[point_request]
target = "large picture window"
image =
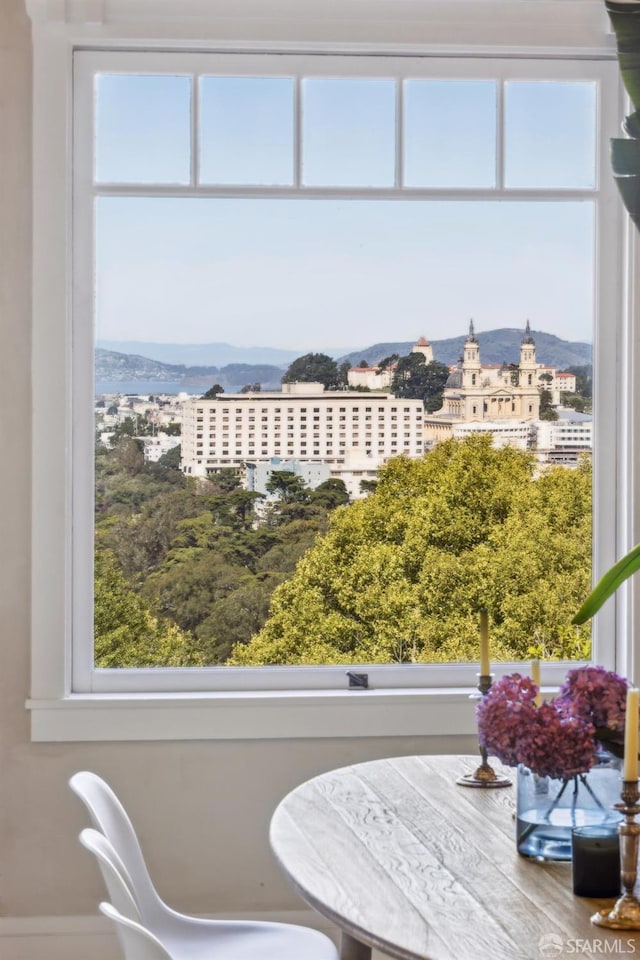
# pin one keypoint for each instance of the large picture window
(322, 207)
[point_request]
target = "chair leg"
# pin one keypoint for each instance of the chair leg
(351, 949)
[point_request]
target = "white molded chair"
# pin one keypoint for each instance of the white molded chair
(113, 873)
(186, 937)
(136, 941)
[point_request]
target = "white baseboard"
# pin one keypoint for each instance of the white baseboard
(83, 937)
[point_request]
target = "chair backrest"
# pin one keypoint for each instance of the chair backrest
(110, 818)
(136, 941)
(113, 872)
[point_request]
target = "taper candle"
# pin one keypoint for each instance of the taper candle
(631, 735)
(484, 644)
(535, 676)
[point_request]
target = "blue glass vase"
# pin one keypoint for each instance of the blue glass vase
(549, 808)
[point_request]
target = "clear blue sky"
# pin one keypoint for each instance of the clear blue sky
(313, 274)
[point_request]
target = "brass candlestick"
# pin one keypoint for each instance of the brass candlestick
(626, 911)
(484, 775)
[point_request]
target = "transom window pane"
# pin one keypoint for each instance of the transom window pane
(550, 131)
(142, 129)
(450, 133)
(246, 126)
(348, 132)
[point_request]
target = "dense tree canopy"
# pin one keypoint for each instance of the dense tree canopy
(127, 634)
(213, 392)
(315, 368)
(191, 572)
(402, 575)
(191, 564)
(417, 380)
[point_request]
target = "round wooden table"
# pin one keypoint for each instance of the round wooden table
(401, 858)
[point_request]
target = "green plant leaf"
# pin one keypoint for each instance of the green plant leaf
(625, 20)
(610, 582)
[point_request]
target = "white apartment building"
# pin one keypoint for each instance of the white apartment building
(373, 378)
(554, 441)
(506, 433)
(563, 440)
(354, 433)
(259, 474)
(156, 447)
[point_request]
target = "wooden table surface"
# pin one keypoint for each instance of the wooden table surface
(401, 858)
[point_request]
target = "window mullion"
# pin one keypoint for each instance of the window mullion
(195, 131)
(399, 177)
(297, 132)
(500, 135)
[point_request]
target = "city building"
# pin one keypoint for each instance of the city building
(512, 433)
(155, 447)
(257, 475)
(477, 394)
(373, 378)
(353, 433)
(565, 439)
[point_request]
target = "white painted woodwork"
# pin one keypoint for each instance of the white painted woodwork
(403, 859)
(142, 704)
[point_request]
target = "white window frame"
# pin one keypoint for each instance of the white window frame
(169, 704)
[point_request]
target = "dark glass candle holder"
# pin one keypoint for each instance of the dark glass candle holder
(595, 861)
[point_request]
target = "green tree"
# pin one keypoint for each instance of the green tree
(225, 480)
(330, 494)
(236, 618)
(190, 583)
(313, 368)
(368, 486)
(127, 428)
(387, 362)
(171, 459)
(584, 379)
(547, 410)
(141, 537)
(127, 633)
(576, 402)
(402, 575)
(343, 376)
(213, 392)
(171, 429)
(129, 455)
(417, 380)
(287, 486)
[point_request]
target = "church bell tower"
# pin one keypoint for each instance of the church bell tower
(471, 369)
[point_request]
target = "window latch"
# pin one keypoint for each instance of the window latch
(358, 681)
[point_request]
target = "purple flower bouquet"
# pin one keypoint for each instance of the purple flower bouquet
(563, 748)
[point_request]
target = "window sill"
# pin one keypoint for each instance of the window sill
(269, 715)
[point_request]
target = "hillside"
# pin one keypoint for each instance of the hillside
(200, 354)
(114, 366)
(496, 346)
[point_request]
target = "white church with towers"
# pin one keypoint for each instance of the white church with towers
(501, 399)
(489, 396)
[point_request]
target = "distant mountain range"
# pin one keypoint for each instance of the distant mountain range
(250, 365)
(202, 354)
(119, 367)
(496, 346)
